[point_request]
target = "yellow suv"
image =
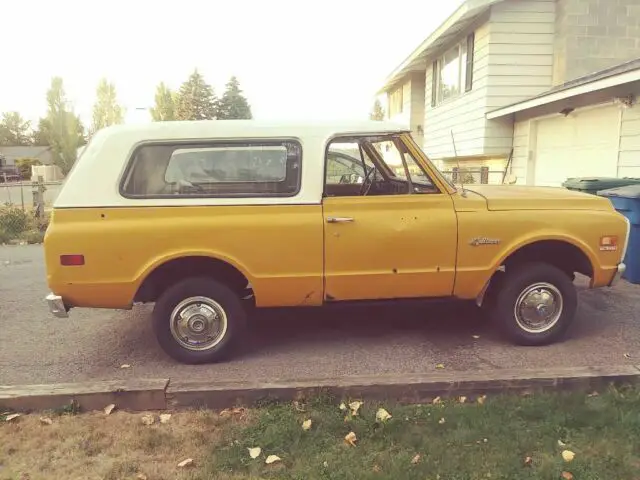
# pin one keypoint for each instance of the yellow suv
(207, 218)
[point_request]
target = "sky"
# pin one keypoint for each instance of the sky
(294, 59)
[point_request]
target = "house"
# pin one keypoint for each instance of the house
(540, 89)
(11, 154)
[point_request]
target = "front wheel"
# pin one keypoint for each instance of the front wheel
(198, 320)
(535, 304)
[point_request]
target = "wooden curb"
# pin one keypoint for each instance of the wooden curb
(417, 388)
(143, 394)
(161, 394)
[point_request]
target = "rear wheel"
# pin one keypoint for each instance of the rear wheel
(198, 320)
(535, 304)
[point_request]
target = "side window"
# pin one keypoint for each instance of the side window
(270, 168)
(404, 166)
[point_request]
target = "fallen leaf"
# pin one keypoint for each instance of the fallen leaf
(382, 415)
(415, 459)
(272, 459)
(476, 336)
(440, 366)
(109, 408)
(481, 399)
(325, 464)
(626, 355)
(125, 365)
(568, 455)
(232, 411)
(306, 425)
(561, 443)
(342, 407)
(346, 419)
(46, 421)
(298, 406)
(462, 399)
(436, 401)
(165, 417)
(376, 469)
(441, 421)
(13, 416)
(528, 461)
(355, 406)
(593, 394)
(254, 452)
(351, 438)
(186, 462)
(567, 475)
(147, 419)
(141, 476)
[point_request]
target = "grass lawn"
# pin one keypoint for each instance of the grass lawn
(505, 437)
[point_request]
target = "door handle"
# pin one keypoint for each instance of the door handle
(339, 219)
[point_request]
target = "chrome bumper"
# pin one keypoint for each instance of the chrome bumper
(616, 278)
(56, 306)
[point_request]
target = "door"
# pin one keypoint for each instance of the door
(582, 144)
(389, 231)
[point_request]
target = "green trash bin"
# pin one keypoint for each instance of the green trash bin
(593, 185)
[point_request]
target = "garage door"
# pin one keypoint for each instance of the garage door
(583, 144)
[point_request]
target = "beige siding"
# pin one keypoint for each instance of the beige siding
(521, 148)
(629, 159)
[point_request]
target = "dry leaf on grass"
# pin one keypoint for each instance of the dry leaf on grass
(568, 455)
(355, 406)
(342, 407)
(272, 459)
(436, 401)
(376, 468)
(306, 425)
(147, 419)
(13, 416)
(141, 476)
(528, 461)
(567, 475)
(627, 355)
(254, 452)
(440, 366)
(187, 462)
(109, 408)
(165, 417)
(382, 415)
(351, 439)
(325, 464)
(125, 365)
(46, 421)
(415, 459)
(441, 421)
(561, 443)
(462, 399)
(593, 394)
(481, 399)
(232, 411)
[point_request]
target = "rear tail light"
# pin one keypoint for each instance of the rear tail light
(608, 243)
(71, 260)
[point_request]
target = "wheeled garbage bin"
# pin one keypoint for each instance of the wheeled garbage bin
(626, 200)
(593, 185)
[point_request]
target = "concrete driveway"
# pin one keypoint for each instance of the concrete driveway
(293, 344)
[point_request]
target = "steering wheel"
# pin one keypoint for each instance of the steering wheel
(367, 183)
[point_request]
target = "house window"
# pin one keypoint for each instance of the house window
(453, 72)
(395, 102)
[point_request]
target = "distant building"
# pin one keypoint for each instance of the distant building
(11, 154)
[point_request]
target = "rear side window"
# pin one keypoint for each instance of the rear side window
(247, 169)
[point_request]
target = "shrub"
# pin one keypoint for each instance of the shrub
(24, 166)
(13, 221)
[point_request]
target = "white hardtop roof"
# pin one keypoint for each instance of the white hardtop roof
(225, 129)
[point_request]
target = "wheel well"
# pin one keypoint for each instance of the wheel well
(178, 269)
(563, 255)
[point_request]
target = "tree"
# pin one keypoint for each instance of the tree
(196, 99)
(165, 108)
(14, 130)
(377, 113)
(61, 127)
(233, 105)
(106, 110)
(39, 135)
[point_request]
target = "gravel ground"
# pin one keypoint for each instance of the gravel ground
(292, 344)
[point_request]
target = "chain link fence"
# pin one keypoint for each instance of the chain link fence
(23, 212)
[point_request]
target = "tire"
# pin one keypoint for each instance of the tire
(214, 319)
(545, 286)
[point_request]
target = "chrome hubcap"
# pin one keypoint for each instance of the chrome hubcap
(538, 307)
(198, 323)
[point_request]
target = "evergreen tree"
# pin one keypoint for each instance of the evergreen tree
(196, 99)
(233, 104)
(377, 113)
